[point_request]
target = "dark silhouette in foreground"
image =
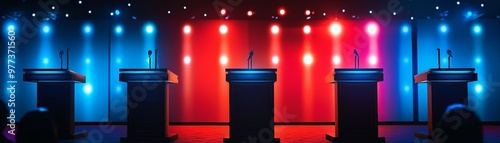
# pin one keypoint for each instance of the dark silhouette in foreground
(37, 126)
(460, 124)
(4, 112)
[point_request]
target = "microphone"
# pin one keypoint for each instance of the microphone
(356, 59)
(67, 58)
(439, 58)
(60, 57)
(449, 52)
(61, 53)
(250, 59)
(149, 55)
(156, 58)
(250, 55)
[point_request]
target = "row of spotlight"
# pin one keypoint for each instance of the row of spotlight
(308, 59)
(335, 29)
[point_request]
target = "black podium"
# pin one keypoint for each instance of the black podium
(251, 105)
(357, 112)
(444, 87)
(148, 98)
(56, 91)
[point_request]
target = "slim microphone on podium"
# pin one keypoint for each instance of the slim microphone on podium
(156, 58)
(249, 60)
(356, 59)
(60, 57)
(449, 57)
(149, 55)
(67, 58)
(439, 58)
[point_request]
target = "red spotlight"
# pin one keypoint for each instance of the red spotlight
(275, 29)
(372, 28)
(373, 60)
(307, 29)
(250, 13)
(187, 29)
(223, 12)
(275, 60)
(187, 60)
(223, 60)
(223, 29)
(335, 29)
(282, 11)
(336, 60)
(308, 59)
(308, 12)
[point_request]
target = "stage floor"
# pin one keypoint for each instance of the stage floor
(287, 133)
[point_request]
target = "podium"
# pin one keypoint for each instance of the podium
(148, 110)
(251, 105)
(444, 87)
(357, 112)
(56, 91)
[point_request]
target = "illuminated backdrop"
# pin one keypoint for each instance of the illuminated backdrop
(304, 52)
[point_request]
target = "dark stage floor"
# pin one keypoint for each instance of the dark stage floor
(287, 133)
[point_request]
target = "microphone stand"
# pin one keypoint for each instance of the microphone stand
(149, 58)
(150, 62)
(60, 57)
(156, 58)
(249, 63)
(439, 58)
(67, 58)
(449, 62)
(356, 62)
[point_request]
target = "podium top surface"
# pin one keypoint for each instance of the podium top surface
(355, 75)
(148, 75)
(251, 75)
(447, 75)
(52, 75)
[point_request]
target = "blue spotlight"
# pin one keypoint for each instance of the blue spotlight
(478, 60)
(45, 61)
(117, 12)
(42, 109)
(87, 89)
(11, 28)
(118, 88)
(87, 61)
(479, 88)
(469, 13)
(407, 88)
(405, 60)
(118, 29)
(477, 29)
(149, 29)
(46, 29)
(87, 29)
(445, 60)
(443, 28)
(118, 60)
(405, 29)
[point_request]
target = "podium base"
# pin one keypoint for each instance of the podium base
(354, 140)
(170, 138)
(275, 140)
(422, 135)
(74, 136)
